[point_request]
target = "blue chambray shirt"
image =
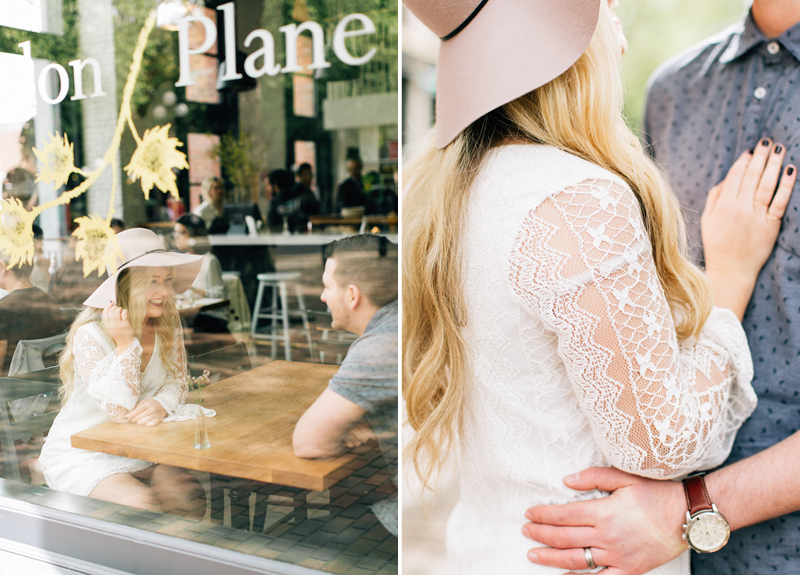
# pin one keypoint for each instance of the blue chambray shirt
(704, 108)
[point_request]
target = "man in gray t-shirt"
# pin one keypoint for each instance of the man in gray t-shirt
(360, 283)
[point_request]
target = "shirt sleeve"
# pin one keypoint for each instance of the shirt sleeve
(111, 380)
(582, 264)
(172, 394)
(368, 374)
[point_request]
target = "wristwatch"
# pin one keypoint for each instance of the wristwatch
(706, 530)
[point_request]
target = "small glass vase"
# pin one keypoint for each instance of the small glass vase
(201, 432)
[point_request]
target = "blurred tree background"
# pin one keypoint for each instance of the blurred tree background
(659, 29)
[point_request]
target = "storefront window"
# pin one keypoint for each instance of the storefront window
(279, 119)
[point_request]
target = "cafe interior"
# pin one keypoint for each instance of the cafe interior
(255, 133)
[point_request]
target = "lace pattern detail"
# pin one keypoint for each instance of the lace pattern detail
(582, 265)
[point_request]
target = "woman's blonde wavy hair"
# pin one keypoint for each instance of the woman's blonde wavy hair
(132, 286)
(579, 112)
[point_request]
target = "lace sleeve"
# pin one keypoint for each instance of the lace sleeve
(173, 393)
(111, 380)
(583, 265)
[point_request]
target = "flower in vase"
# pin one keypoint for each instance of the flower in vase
(58, 161)
(154, 159)
(16, 231)
(94, 235)
(196, 385)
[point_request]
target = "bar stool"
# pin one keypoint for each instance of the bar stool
(278, 281)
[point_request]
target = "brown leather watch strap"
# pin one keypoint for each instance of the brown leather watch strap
(696, 494)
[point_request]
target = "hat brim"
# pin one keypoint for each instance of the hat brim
(509, 49)
(187, 267)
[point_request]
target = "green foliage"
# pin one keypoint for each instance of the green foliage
(659, 29)
(54, 47)
(160, 60)
(235, 156)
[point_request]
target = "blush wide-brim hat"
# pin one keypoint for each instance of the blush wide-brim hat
(143, 248)
(494, 51)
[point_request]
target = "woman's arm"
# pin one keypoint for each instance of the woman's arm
(583, 265)
(112, 378)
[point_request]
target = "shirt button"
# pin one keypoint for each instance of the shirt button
(773, 48)
(760, 92)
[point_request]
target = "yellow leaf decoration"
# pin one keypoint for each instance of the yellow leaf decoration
(16, 231)
(94, 234)
(58, 161)
(154, 159)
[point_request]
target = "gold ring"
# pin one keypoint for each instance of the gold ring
(770, 216)
(587, 554)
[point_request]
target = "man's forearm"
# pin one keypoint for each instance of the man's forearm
(760, 487)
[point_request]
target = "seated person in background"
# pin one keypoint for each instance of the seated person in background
(40, 276)
(350, 192)
(69, 286)
(191, 237)
(117, 225)
(360, 282)
(213, 200)
(304, 174)
(26, 312)
(290, 202)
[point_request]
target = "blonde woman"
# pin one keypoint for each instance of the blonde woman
(125, 362)
(551, 319)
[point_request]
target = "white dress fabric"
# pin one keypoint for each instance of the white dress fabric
(574, 357)
(107, 387)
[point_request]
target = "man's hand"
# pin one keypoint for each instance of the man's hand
(359, 435)
(634, 530)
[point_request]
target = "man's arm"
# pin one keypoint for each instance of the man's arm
(324, 427)
(639, 526)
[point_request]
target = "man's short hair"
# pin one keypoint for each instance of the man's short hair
(369, 262)
(281, 179)
(21, 269)
(304, 166)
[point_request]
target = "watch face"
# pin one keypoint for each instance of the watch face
(708, 532)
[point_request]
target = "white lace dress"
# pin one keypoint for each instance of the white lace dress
(106, 388)
(575, 361)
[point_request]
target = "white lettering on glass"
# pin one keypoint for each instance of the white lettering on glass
(341, 33)
(77, 76)
(63, 81)
(292, 32)
(184, 51)
(267, 51)
(230, 72)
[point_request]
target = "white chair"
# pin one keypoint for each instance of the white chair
(239, 317)
(279, 314)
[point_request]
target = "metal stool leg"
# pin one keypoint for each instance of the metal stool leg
(259, 296)
(287, 351)
(301, 303)
(274, 343)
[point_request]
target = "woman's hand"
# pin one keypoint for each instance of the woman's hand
(119, 328)
(148, 412)
(741, 221)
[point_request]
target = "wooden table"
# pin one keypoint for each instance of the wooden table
(251, 435)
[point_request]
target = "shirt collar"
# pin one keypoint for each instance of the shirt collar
(747, 36)
(390, 309)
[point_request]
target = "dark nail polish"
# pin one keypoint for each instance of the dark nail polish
(765, 142)
(778, 149)
(789, 171)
